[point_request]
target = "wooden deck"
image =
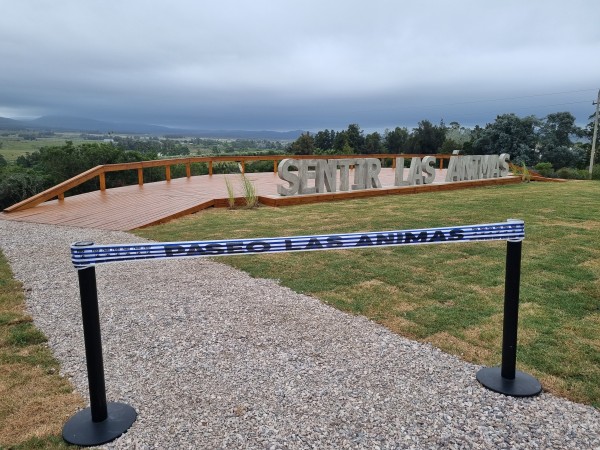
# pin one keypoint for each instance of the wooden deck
(130, 207)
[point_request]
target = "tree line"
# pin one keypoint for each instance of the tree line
(48, 166)
(553, 141)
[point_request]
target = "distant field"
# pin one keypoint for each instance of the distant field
(13, 147)
(200, 150)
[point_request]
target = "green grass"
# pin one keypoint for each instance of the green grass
(449, 295)
(35, 401)
(13, 146)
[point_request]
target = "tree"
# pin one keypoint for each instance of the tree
(373, 143)
(557, 129)
(324, 139)
(474, 134)
(356, 140)
(450, 145)
(3, 162)
(555, 145)
(304, 145)
(456, 137)
(427, 138)
(509, 134)
(395, 140)
(561, 156)
(341, 143)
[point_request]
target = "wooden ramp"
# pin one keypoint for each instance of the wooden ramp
(130, 207)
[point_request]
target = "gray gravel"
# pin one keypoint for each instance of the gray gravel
(212, 358)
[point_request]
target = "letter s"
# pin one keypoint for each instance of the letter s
(427, 166)
(503, 160)
(283, 170)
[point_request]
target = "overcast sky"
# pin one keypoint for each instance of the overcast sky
(286, 64)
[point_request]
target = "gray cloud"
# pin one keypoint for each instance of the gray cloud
(297, 64)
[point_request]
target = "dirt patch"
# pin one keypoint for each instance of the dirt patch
(468, 351)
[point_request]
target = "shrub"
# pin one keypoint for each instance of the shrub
(572, 174)
(259, 166)
(544, 169)
(17, 184)
(226, 167)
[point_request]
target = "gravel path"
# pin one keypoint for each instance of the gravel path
(212, 358)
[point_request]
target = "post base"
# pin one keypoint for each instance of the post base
(81, 430)
(523, 385)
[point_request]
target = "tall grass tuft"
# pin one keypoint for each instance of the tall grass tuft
(230, 194)
(526, 176)
(249, 192)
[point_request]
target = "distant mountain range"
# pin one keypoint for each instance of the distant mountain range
(78, 124)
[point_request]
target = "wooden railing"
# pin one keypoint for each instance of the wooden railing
(531, 174)
(59, 190)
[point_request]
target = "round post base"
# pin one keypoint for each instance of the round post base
(523, 385)
(81, 430)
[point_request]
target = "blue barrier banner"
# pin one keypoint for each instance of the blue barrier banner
(85, 255)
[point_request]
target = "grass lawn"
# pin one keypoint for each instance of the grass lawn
(449, 295)
(35, 401)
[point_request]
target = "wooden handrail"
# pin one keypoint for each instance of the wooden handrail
(100, 171)
(57, 190)
(533, 174)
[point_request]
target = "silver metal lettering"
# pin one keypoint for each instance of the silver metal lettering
(283, 170)
(307, 174)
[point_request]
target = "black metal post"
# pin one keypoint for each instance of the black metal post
(506, 379)
(511, 309)
(93, 342)
(102, 422)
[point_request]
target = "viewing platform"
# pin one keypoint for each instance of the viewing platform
(145, 204)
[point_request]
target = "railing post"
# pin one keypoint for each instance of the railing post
(210, 168)
(102, 178)
(243, 163)
(102, 422)
(188, 170)
(506, 379)
(168, 173)
(275, 166)
(140, 176)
